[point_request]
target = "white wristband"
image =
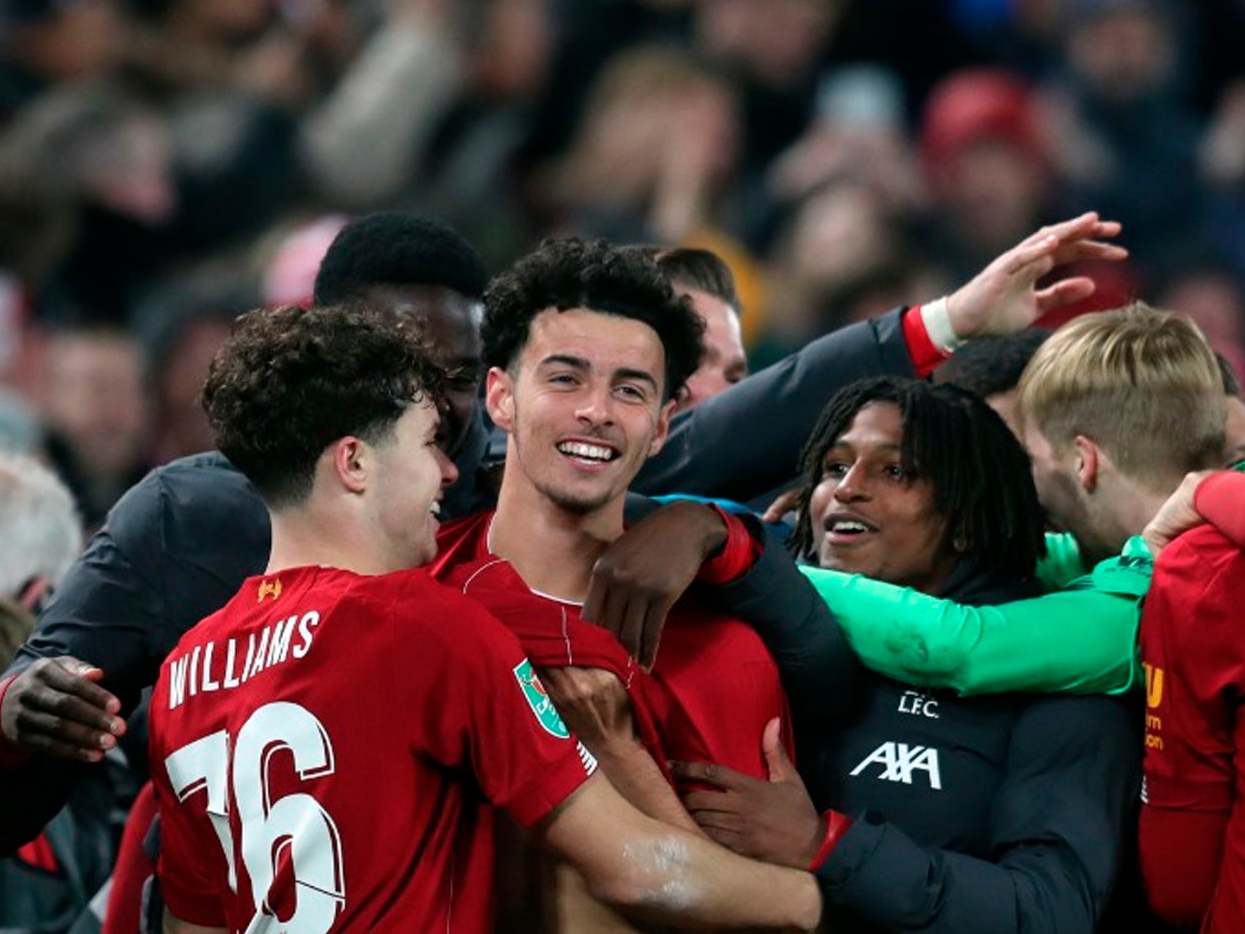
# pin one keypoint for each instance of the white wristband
(937, 320)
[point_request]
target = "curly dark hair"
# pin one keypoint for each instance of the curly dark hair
(290, 382)
(573, 273)
(392, 248)
(979, 472)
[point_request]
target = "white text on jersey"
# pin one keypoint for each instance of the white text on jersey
(197, 671)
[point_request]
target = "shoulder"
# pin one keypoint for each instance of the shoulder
(203, 492)
(1202, 566)
(419, 604)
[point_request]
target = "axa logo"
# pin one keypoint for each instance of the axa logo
(269, 588)
(899, 761)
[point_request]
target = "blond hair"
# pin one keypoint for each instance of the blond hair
(1141, 383)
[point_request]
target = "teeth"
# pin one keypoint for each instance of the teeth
(590, 451)
(436, 509)
(848, 525)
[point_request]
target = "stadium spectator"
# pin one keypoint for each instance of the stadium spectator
(96, 414)
(49, 883)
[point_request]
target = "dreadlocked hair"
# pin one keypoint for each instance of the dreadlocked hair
(979, 472)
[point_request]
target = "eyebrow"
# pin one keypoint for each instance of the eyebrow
(580, 363)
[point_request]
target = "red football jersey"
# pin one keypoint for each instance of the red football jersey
(1194, 655)
(714, 684)
(325, 750)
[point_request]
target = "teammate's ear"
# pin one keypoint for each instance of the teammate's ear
(348, 460)
(1088, 461)
(499, 398)
(664, 414)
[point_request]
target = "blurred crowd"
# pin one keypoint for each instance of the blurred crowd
(167, 164)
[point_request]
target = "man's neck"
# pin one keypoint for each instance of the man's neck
(1132, 508)
(553, 549)
(301, 538)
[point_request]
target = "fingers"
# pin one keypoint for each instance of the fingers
(654, 622)
(632, 630)
(1029, 252)
(710, 774)
(1064, 292)
(781, 506)
(696, 801)
(76, 677)
(68, 738)
(1090, 250)
(48, 746)
(780, 767)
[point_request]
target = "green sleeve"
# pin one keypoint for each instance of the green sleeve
(1080, 640)
(1062, 563)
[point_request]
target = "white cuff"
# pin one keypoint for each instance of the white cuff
(937, 321)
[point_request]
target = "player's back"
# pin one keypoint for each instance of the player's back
(323, 734)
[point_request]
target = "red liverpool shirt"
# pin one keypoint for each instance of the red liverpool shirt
(713, 687)
(325, 750)
(1193, 814)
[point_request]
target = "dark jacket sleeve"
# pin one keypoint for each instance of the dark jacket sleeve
(811, 650)
(747, 440)
(1058, 824)
(174, 549)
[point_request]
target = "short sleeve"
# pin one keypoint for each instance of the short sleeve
(482, 705)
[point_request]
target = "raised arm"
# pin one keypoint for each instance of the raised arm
(1081, 640)
(708, 454)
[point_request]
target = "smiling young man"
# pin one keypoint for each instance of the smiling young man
(588, 348)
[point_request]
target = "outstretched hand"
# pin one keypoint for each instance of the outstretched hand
(773, 820)
(1004, 298)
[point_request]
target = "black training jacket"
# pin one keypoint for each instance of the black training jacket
(989, 815)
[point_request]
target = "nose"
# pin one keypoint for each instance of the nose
(595, 407)
(449, 473)
(853, 487)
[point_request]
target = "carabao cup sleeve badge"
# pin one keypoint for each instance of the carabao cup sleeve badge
(534, 692)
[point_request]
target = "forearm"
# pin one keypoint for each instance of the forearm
(708, 454)
(1074, 641)
(632, 771)
(881, 876)
(664, 875)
